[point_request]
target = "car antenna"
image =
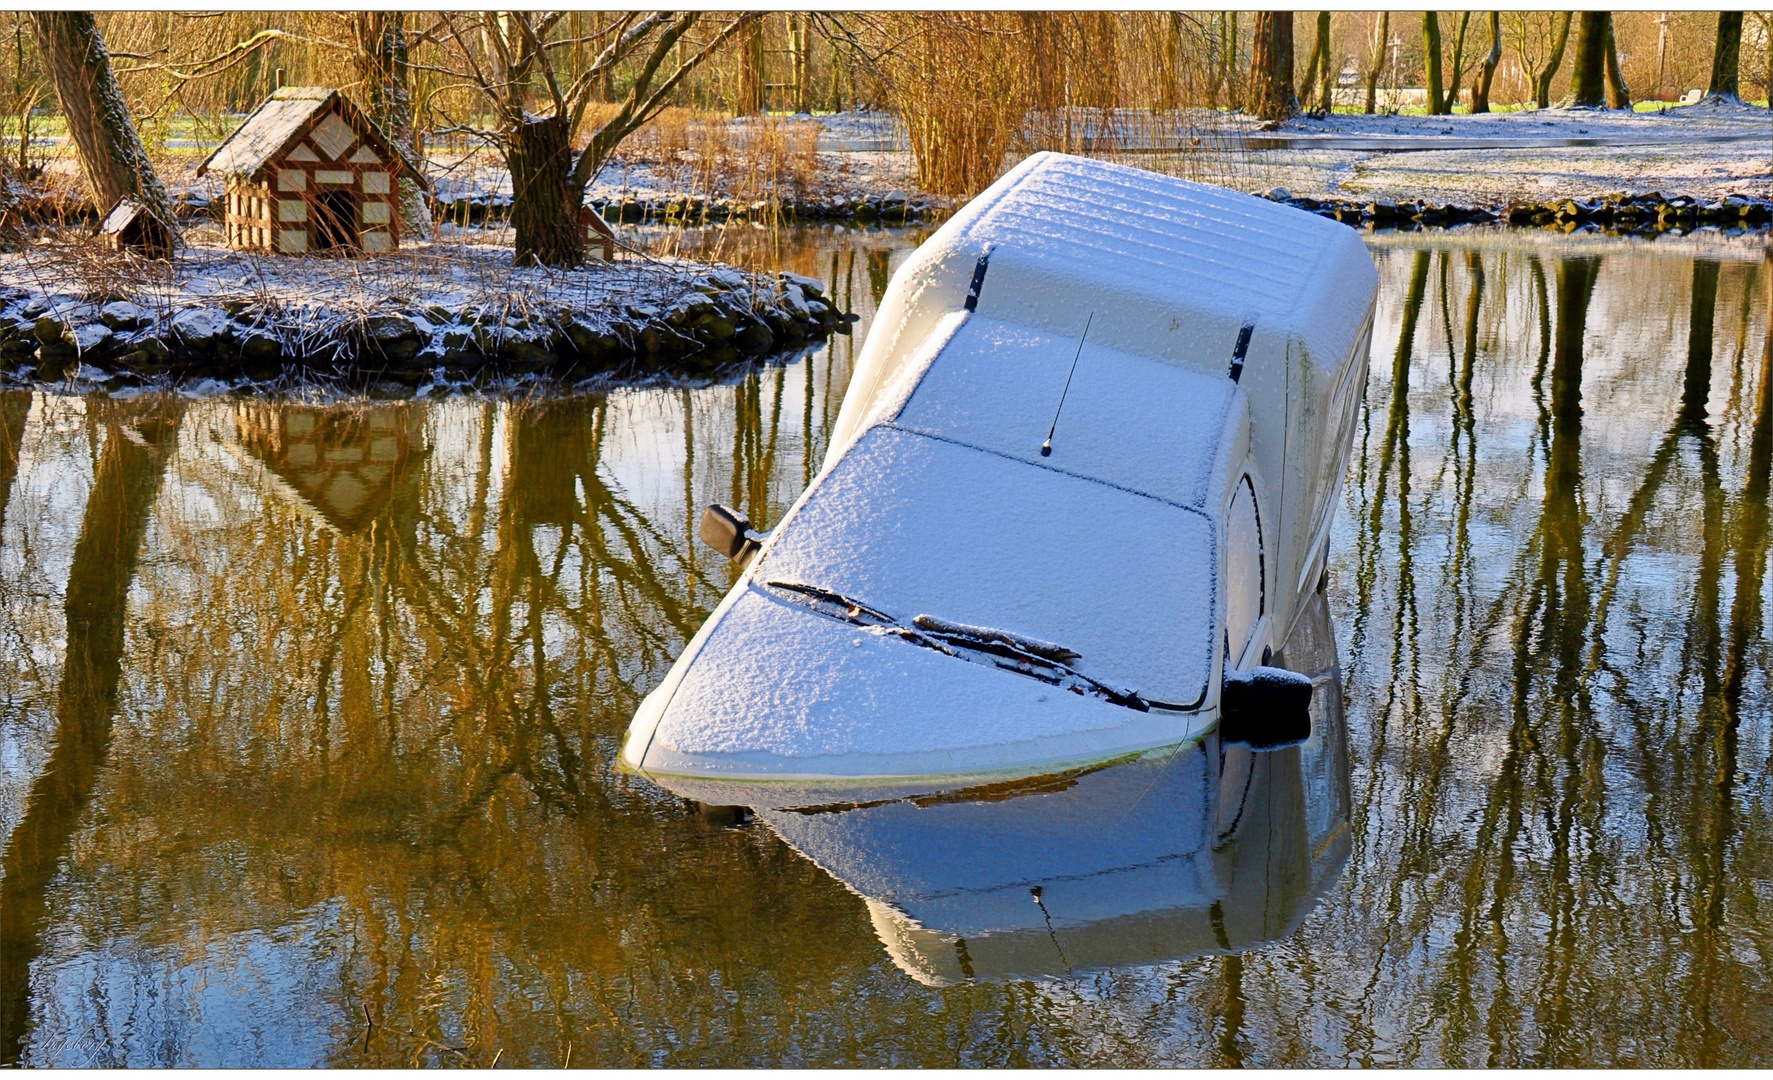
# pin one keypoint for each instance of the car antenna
(1046, 448)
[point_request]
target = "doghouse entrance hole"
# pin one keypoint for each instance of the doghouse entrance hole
(335, 220)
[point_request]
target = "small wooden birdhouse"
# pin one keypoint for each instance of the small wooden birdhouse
(130, 226)
(309, 172)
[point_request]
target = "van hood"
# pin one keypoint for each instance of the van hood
(836, 659)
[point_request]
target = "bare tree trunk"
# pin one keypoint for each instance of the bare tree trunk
(111, 152)
(751, 72)
(1379, 42)
(1271, 66)
(1431, 51)
(385, 73)
(1458, 60)
(1726, 58)
(1234, 87)
(1480, 90)
(544, 200)
(1219, 65)
(1588, 82)
(1308, 85)
(1326, 97)
(1542, 85)
(1618, 94)
(799, 43)
(1166, 92)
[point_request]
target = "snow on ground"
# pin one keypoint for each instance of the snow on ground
(857, 153)
(1705, 151)
(447, 274)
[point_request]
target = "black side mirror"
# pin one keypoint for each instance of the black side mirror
(1265, 708)
(728, 531)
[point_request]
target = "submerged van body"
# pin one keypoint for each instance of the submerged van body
(1211, 848)
(1080, 487)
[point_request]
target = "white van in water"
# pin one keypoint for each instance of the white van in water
(1075, 498)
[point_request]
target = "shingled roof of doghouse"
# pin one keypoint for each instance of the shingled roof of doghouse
(279, 123)
(122, 214)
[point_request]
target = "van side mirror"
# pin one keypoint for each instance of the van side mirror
(1265, 708)
(728, 531)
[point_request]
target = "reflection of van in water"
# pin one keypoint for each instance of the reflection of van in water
(1214, 848)
(1034, 548)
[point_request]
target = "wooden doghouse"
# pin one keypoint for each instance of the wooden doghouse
(309, 172)
(130, 226)
(600, 239)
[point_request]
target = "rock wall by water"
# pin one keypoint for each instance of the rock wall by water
(720, 316)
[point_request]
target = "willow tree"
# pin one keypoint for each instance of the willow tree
(112, 157)
(509, 57)
(1271, 67)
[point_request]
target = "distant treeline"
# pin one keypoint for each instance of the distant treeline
(969, 87)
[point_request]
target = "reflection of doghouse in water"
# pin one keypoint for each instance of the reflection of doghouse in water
(342, 462)
(309, 172)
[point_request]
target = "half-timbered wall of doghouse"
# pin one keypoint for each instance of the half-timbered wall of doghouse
(275, 211)
(249, 222)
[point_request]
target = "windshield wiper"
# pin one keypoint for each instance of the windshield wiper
(1006, 651)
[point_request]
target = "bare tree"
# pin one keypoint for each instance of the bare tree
(1560, 35)
(1380, 33)
(1618, 94)
(1588, 80)
(110, 149)
(26, 91)
(1458, 66)
(751, 71)
(1327, 80)
(1764, 24)
(1480, 87)
(1317, 73)
(507, 54)
(1726, 58)
(1271, 66)
(1431, 51)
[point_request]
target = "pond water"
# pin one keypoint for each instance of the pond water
(308, 717)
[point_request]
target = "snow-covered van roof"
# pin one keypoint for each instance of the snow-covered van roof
(280, 122)
(1160, 268)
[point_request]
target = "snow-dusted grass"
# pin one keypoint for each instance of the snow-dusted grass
(454, 275)
(461, 310)
(1704, 151)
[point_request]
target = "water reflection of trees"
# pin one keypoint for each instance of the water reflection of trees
(371, 758)
(136, 441)
(392, 736)
(1592, 823)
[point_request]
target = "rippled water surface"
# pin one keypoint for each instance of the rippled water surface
(308, 718)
